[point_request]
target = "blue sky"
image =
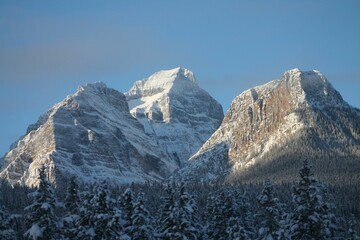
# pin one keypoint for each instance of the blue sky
(48, 48)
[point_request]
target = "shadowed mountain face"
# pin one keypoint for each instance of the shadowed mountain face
(93, 135)
(269, 129)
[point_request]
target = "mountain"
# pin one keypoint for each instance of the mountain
(90, 134)
(270, 129)
(93, 134)
(176, 111)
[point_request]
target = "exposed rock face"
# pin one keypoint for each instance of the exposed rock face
(92, 135)
(278, 124)
(175, 111)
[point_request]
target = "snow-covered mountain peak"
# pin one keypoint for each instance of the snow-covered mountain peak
(91, 87)
(172, 75)
(92, 135)
(172, 107)
(300, 107)
(311, 88)
(163, 81)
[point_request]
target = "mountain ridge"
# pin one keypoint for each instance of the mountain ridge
(272, 116)
(93, 135)
(173, 111)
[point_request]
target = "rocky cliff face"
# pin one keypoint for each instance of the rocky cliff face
(300, 115)
(92, 135)
(176, 111)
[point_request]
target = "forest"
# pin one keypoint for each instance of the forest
(307, 209)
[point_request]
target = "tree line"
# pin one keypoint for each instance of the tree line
(176, 211)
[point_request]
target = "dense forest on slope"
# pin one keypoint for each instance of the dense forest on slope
(306, 209)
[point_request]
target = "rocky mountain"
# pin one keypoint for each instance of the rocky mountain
(90, 134)
(176, 111)
(93, 134)
(270, 129)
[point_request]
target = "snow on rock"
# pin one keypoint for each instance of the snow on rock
(176, 111)
(271, 115)
(91, 135)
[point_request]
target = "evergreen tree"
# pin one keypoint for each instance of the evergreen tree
(190, 226)
(72, 204)
(6, 230)
(241, 225)
(102, 217)
(84, 223)
(311, 215)
(329, 221)
(141, 220)
(127, 207)
(98, 217)
(42, 222)
(72, 200)
(271, 226)
(219, 213)
(351, 231)
(168, 226)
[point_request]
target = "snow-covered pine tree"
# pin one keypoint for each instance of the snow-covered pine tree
(311, 214)
(40, 214)
(72, 205)
(127, 207)
(141, 221)
(168, 224)
(329, 220)
(219, 213)
(84, 223)
(6, 230)
(241, 224)
(351, 231)
(72, 200)
(102, 217)
(271, 225)
(190, 225)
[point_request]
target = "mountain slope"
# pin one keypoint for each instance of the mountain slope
(269, 129)
(92, 135)
(176, 111)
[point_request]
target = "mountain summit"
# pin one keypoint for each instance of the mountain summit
(176, 111)
(93, 134)
(90, 134)
(269, 129)
(162, 81)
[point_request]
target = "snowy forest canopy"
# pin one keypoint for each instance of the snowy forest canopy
(306, 210)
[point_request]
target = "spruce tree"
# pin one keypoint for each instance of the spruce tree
(271, 225)
(310, 219)
(72, 205)
(42, 222)
(351, 231)
(168, 225)
(141, 221)
(219, 212)
(72, 200)
(102, 215)
(6, 230)
(190, 226)
(241, 225)
(127, 207)
(84, 223)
